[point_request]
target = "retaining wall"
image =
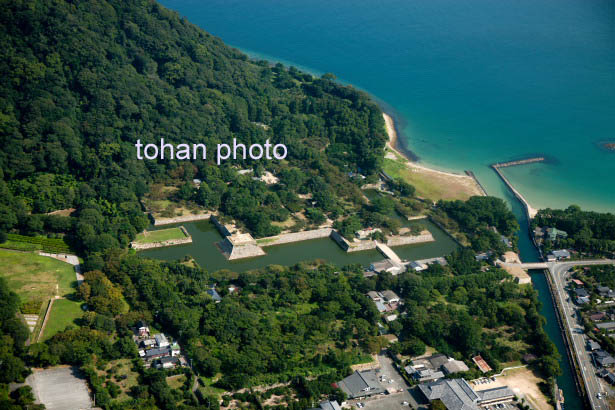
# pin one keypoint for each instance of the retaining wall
(295, 237)
(180, 219)
(408, 240)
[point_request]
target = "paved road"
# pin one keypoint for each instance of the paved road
(559, 272)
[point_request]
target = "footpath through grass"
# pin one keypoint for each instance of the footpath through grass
(64, 312)
(36, 278)
(160, 235)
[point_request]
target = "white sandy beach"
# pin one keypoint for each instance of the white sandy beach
(467, 182)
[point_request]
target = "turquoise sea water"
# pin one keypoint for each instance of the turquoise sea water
(470, 82)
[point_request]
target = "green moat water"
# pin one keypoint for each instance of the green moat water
(204, 250)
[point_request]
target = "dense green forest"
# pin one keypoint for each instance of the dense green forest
(588, 231)
(81, 81)
(481, 220)
(302, 325)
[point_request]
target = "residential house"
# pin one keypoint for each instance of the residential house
(605, 292)
(578, 282)
(156, 353)
(161, 340)
(385, 301)
(390, 296)
(597, 316)
(603, 359)
(582, 296)
(166, 362)
(610, 378)
(361, 384)
(554, 234)
(142, 329)
(593, 345)
(606, 326)
(561, 254)
(214, 294)
(454, 366)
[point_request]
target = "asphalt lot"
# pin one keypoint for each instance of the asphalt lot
(60, 388)
(391, 380)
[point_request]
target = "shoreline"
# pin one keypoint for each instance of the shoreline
(393, 145)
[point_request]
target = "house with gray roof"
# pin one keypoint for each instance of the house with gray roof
(608, 326)
(454, 366)
(593, 345)
(495, 396)
(361, 384)
(457, 394)
(561, 254)
(328, 405)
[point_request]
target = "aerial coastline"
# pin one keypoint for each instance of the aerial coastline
(458, 185)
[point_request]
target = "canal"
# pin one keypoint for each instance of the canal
(204, 250)
(529, 253)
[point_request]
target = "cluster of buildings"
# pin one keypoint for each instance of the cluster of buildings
(156, 350)
(434, 367)
(582, 296)
(602, 360)
(457, 394)
(387, 302)
(395, 268)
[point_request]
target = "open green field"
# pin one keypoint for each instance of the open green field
(160, 235)
(64, 312)
(34, 277)
(428, 184)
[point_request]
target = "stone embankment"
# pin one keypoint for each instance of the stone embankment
(295, 237)
(397, 240)
(393, 240)
(181, 219)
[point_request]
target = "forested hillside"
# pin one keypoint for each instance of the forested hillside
(81, 81)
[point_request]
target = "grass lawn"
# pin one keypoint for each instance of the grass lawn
(160, 235)
(36, 278)
(175, 382)
(64, 312)
(428, 184)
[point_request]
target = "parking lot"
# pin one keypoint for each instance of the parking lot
(400, 398)
(60, 388)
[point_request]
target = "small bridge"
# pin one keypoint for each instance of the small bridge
(553, 266)
(388, 252)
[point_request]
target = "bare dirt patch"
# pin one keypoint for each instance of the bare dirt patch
(524, 383)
